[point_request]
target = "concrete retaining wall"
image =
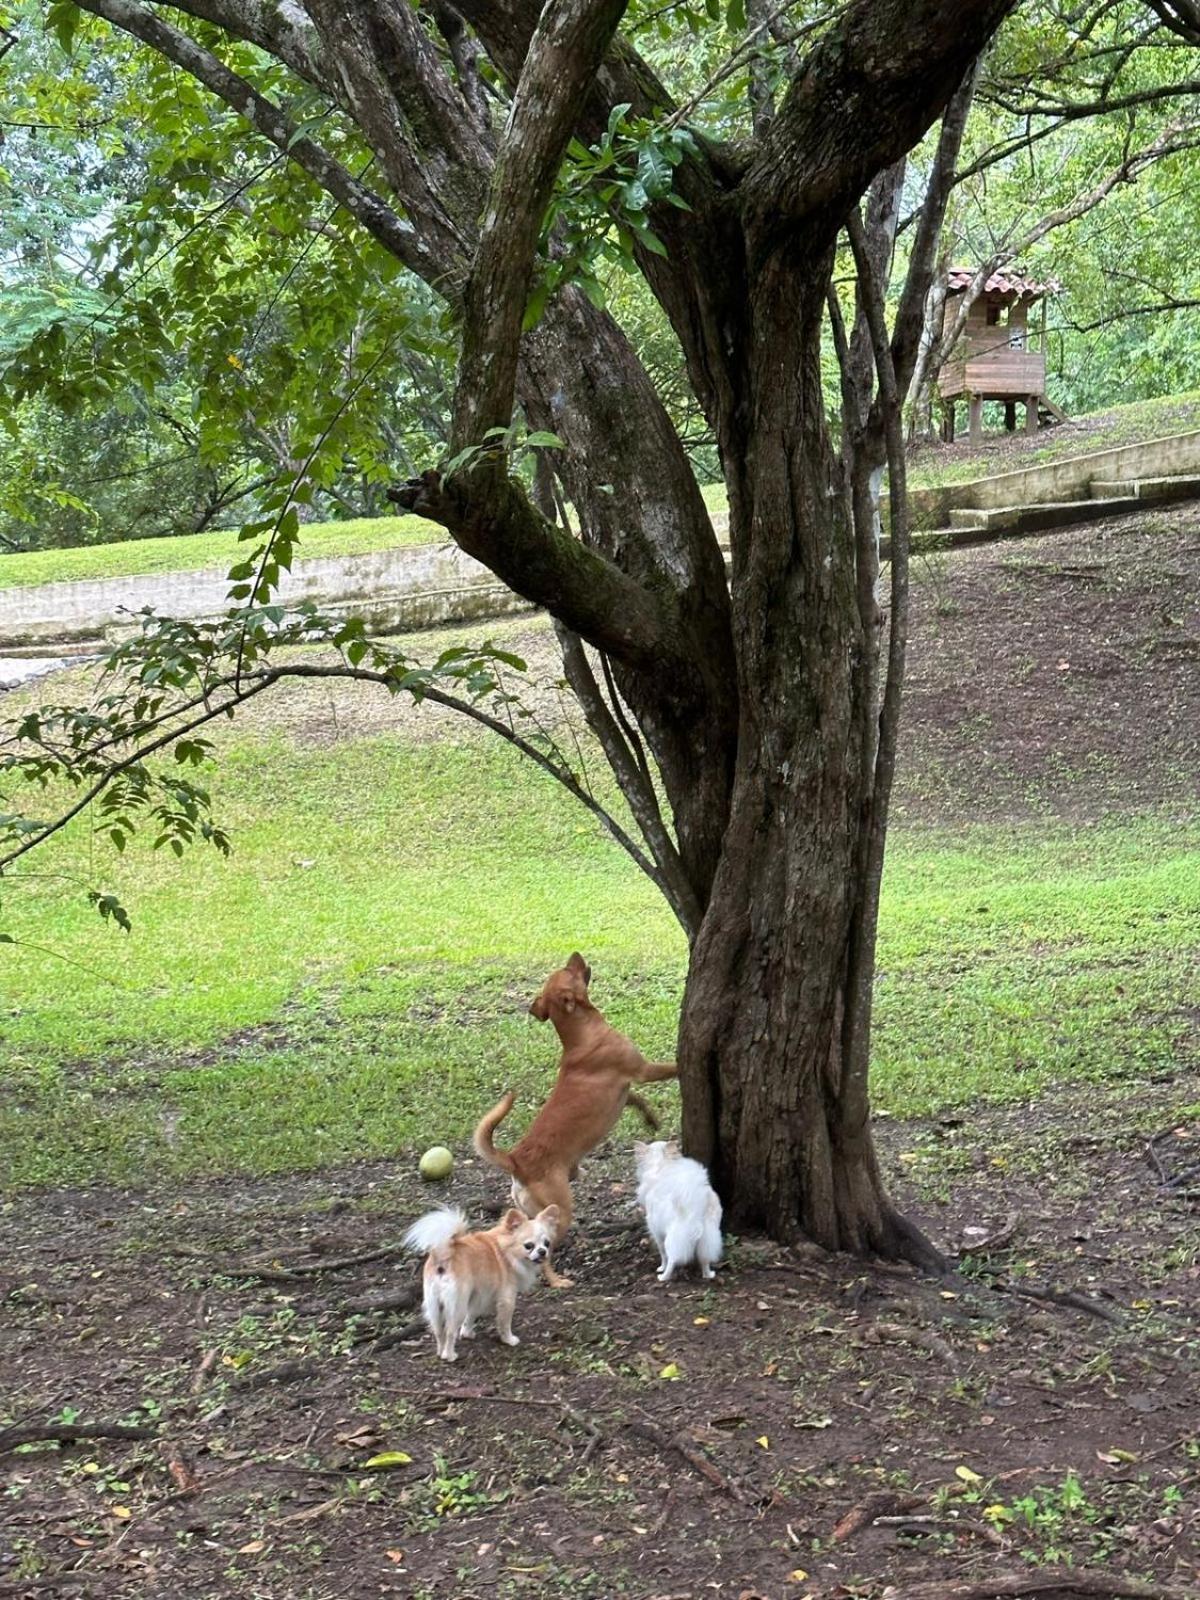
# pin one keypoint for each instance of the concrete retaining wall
(1069, 479)
(413, 586)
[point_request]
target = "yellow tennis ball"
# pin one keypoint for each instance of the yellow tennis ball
(437, 1164)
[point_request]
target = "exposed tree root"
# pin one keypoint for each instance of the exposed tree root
(665, 1443)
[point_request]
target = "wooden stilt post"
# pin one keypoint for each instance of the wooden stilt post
(1010, 416)
(1031, 414)
(976, 404)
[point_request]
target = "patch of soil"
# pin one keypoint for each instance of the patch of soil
(1060, 672)
(644, 1441)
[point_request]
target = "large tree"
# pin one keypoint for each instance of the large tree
(760, 765)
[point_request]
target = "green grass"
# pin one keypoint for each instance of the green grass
(1098, 430)
(355, 980)
(191, 552)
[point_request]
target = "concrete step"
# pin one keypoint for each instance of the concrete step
(1054, 514)
(1160, 489)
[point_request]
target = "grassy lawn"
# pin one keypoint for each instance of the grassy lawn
(1099, 430)
(191, 552)
(354, 981)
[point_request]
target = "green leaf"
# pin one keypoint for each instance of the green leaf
(389, 1458)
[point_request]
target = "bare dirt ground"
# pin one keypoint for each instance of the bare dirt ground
(803, 1426)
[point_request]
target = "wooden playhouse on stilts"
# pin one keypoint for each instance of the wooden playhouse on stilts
(998, 354)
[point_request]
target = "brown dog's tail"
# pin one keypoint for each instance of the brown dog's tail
(483, 1135)
(645, 1111)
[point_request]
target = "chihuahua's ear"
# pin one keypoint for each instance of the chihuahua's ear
(537, 1008)
(513, 1219)
(671, 1148)
(576, 963)
(640, 1149)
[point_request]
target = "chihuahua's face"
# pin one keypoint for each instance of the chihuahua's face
(564, 991)
(531, 1239)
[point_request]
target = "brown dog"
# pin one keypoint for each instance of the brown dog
(596, 1075)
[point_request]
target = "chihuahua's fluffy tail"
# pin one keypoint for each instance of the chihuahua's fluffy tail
(435, 1230)
(482, 1141)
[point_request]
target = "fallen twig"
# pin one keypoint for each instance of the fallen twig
(935, 1524)
(309, 1269)
(401, 1300)
(69, 1432)
(1068, 1298)
(285, 1372)
(401, 1335)
(923, 1338)
(885, 1503)
(205, 1365)
(664, 1443)
(1156, 1159)
(993, 1241)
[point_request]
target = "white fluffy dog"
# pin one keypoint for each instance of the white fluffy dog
(683, 1213)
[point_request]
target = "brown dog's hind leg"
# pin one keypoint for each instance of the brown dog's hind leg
(645, 1111)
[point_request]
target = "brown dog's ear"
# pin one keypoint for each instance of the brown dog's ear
(549, 1215)
(576, 963)
(513, 1219)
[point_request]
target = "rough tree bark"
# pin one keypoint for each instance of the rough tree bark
(759, 702)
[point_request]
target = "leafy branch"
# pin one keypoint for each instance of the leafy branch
(173, 678)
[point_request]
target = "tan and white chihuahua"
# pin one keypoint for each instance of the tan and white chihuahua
(469, 1274)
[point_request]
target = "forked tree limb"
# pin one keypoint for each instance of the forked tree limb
(567, 47)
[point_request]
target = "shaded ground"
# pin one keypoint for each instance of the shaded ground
(642, 1441)
(695, 1440)
(1056, 674)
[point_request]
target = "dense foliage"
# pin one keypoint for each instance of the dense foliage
(170, 289)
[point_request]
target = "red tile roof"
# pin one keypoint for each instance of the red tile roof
(1003, 281)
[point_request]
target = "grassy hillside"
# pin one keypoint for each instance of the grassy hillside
(192, 552)
(938, 464)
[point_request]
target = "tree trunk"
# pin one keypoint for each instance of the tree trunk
(770, 996)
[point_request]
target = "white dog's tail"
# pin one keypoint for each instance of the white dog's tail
(708, 1250)
(435, 1229)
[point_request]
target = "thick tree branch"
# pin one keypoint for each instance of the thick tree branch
(490, 517)
(280, 27)
(863, 96)
(567, 48)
